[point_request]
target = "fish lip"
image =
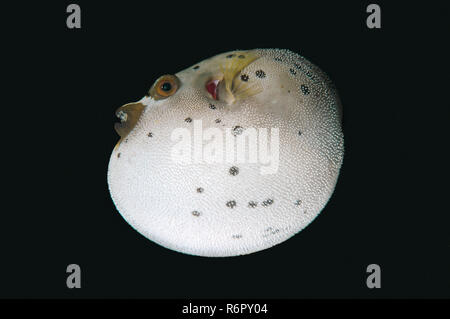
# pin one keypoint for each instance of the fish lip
(129, 115)
(121, 115)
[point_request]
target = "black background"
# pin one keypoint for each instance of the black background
(389, 204)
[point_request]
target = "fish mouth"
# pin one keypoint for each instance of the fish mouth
(129, 115)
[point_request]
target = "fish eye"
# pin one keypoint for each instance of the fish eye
(164, 87)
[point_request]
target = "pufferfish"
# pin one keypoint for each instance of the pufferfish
(212, 201)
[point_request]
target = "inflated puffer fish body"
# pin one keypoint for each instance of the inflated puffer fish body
(211, 203)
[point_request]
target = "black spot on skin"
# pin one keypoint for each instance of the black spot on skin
(241, 56)
(231, 204)
(237, 130)
(150, 134)
(293, 72)
(298, 202)
(236, 236)
(234, 170)
(278, 59)
(212, 106)
(229, 56)
(267, 202)
(244, 77)
(298, 66)
(299, 132)
(218, 120)
(305, 89)
(252, 204)
(289, 91)
(200, 190)
(196, 67)
(260, 74)
(195, 213)
(270, 231)
(118, 155)
(188, 120)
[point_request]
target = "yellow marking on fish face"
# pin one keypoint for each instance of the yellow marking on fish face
(129, 115)
(237, 89)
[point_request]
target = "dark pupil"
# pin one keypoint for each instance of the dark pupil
(166, 86)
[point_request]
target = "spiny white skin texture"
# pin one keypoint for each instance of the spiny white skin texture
(157, 196)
